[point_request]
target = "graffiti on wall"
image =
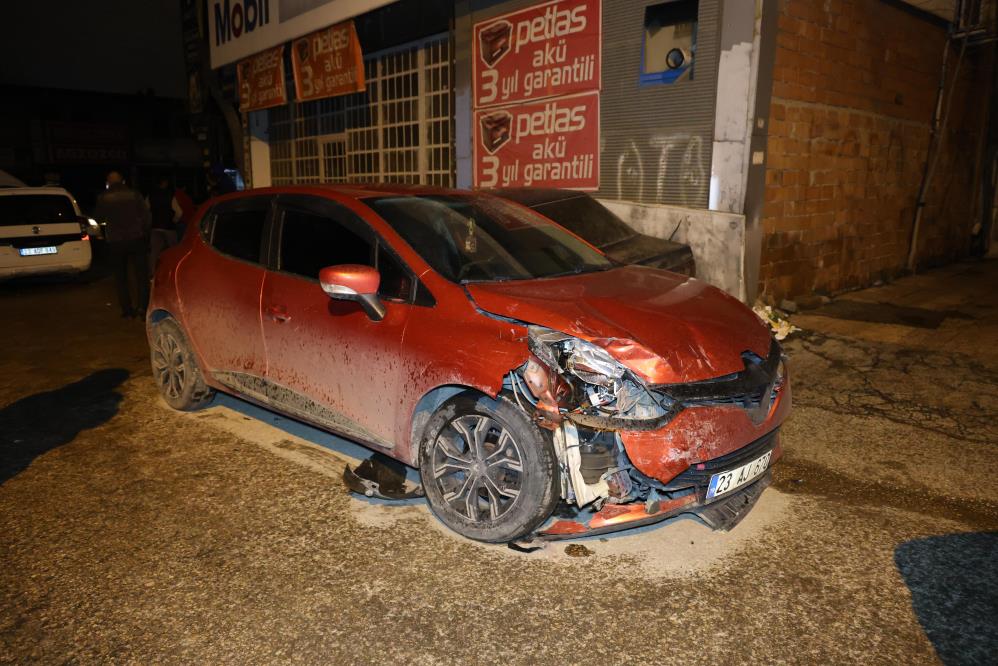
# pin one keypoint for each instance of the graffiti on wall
(646, 167)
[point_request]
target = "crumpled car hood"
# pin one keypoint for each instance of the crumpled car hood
(699, 331)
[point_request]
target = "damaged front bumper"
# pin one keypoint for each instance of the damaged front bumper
(633, 453)
(687, 493)
(722, 515)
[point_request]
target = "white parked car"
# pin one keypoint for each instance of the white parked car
(42, 231)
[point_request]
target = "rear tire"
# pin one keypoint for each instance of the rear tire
(488, 471)
(175, 369)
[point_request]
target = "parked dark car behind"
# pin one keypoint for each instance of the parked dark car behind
(584, 216)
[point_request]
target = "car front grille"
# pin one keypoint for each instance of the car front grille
(754, 388)
(698, 475)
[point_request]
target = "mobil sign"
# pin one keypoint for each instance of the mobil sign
(241, 28)
(231, 19)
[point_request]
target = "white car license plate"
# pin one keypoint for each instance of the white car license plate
(48, 249)
(725, 482)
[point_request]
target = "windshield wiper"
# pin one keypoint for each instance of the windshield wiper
(496, 278)
(581, 269)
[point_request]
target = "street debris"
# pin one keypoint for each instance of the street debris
(577, 550)
(775, 319)
(512, 545)
(381, 477)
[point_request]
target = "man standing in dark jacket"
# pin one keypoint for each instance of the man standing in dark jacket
(165, 213)
(127, 234)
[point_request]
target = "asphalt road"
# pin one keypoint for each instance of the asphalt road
(132, 533)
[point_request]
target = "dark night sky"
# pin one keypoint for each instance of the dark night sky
(120, 46)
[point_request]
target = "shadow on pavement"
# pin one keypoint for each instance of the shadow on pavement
(344, 449)
(887, 313)
(44, 421)
(953, 581)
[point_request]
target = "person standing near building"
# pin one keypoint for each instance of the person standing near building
(165, 212)
(187, 208)
(219, 182)
(128, 222)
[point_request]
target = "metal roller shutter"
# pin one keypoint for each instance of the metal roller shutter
(656, 140)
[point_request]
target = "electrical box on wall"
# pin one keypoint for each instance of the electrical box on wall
(669, 44)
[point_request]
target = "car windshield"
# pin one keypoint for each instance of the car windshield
(35, 209)
(485, 239)
(588, 218)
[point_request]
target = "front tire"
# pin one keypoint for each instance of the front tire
(488, 471)
(175, 369)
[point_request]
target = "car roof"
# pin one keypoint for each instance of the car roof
(355, 190)
(532, 196)
(8, 191)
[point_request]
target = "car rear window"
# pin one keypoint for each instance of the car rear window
(587, 218)
(35, 209)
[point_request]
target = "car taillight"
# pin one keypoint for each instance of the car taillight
(87, 226)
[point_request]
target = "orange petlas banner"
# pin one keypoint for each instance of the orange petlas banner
(261, 80)
(328, 63)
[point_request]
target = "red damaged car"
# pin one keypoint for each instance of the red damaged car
(508, 360)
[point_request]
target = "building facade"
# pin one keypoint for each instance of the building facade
(786, 141)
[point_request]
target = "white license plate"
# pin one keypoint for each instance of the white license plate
(48, 249)
(725, 482)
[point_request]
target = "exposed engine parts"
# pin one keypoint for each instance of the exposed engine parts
(584, 395)
(571, 378)
(587, 398)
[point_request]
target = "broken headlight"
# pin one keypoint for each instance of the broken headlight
(592, 364)
(586, 361)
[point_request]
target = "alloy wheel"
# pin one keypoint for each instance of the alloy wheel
(478, 467)
(169, 365)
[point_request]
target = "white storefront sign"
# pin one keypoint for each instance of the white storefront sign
(239, 28)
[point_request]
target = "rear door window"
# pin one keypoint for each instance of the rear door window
(34, 209)
(238, 230)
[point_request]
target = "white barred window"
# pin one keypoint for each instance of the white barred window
(399, 130)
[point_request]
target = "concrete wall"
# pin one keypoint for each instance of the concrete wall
(258, 173)
(716, 238)
(852, 100)
(736, 76)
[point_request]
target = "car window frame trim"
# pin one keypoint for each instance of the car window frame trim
(208, 235)
(306, 203)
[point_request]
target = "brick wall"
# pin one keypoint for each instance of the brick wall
(854, 87)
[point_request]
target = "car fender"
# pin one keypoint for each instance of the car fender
(435, 369)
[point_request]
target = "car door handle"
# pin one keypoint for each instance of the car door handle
(277, 313)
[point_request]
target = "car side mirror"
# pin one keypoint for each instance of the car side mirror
(354, 282)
